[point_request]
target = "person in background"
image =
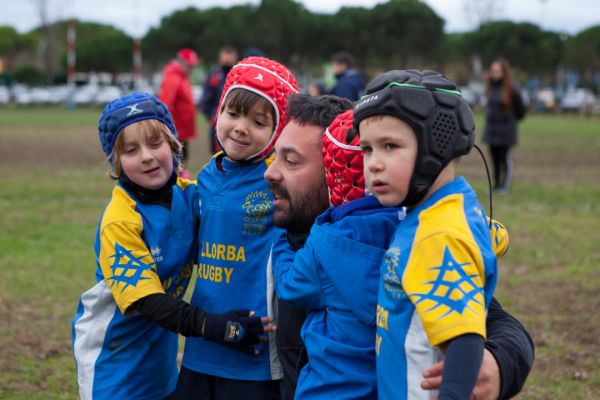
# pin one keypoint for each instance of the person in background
(349, 82)
(316, 88)
(504, 109)
(213, 88)
(176, 92)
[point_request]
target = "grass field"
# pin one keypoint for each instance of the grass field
(53, 189)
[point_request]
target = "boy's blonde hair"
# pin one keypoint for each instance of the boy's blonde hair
(151, 128)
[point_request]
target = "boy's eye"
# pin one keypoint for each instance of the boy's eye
(366, 149)
(390, 146)
(260, 123)
(156, 143)
(129, 150)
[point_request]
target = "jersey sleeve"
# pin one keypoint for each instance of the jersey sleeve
(444, 278)
(126, 263)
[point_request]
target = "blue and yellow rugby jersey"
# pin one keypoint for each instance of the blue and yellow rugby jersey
(437, 279)
(141, 249)
(235, 238)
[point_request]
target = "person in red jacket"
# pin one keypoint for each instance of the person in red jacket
(176, 92)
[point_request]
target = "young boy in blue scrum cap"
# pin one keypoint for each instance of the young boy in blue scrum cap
(125, 328)
(439, 272)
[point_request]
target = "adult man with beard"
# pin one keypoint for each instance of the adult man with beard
(297, 179)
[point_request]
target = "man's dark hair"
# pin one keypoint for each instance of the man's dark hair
(343, 57)
(316, 110)
(228, 49)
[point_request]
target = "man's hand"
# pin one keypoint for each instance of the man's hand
(488, 381)
(239, 330)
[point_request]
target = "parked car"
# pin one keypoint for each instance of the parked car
(85, 95)
(40, 95)
(545, 100)
(4, 95)
(21, 95)
(106, 94)
(578, 100)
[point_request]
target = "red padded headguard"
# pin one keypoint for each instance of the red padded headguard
(343, 162)
(268, 79)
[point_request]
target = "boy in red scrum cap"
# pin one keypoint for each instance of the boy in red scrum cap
(335, 276)
(236, 232)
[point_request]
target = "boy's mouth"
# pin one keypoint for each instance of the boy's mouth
(237, 141)
(152, 170)
(378, 185)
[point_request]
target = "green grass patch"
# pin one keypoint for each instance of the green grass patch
(54, 189)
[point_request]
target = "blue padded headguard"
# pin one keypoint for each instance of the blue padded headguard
(125, 111)
(433, 107)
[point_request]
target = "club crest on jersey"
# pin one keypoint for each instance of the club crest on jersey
(391, 281)
(453, 289)
(258, 206)
(234, 331)
(155, 252)
(133, 110)
(127, 269)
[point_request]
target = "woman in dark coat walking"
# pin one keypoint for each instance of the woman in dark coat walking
(505, 108)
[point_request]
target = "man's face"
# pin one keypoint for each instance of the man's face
(227, 58)
(297, 178)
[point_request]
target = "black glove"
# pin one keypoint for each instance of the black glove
(234, 329)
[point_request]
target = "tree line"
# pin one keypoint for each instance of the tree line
(395, 34)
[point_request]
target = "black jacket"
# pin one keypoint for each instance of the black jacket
(501, 127)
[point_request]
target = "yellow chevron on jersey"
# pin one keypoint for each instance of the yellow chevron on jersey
(126, 262)
(269, 160)
(500, 237)
(445, 273)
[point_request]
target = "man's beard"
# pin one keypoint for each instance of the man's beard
(301, 211)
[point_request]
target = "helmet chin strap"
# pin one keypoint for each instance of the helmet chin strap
(487, 172)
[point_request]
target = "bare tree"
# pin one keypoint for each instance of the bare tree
(481, 11)
(48, 39)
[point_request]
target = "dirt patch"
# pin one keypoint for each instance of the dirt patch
(561, 319)
(531, 166)
(31, 332)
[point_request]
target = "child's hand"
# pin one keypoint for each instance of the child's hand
(488, 381)
(238, 329)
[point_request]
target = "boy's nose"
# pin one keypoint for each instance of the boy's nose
(146, 154)
(372, 163)
(241, 126)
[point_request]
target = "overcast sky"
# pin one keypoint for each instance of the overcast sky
(135, 17)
